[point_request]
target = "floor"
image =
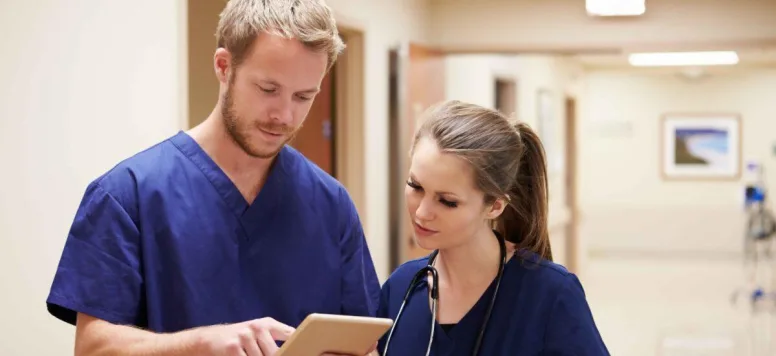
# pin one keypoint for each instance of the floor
(662, 304)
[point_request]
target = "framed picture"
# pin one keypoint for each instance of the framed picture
(701, 146)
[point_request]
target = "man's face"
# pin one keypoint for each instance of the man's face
(269, 95)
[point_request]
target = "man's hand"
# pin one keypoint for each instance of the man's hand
(250, 338)
(95, 337)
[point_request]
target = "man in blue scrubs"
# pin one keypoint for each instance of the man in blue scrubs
(222, 239)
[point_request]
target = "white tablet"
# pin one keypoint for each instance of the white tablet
(321, 333)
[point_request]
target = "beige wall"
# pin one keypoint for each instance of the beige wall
(622, 189)
(83, 87)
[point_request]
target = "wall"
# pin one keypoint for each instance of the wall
(471, 78)
(627, 206)
(83, 87)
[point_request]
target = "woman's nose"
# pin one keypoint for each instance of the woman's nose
(425, 210)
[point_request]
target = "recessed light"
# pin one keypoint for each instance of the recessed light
(615, 7)
(683, 59)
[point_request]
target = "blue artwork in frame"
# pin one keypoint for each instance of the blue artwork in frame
(701, 146)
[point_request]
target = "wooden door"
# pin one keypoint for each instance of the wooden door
(572, 238)
(422, 84)
(315, 140)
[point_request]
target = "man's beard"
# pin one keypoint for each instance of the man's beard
(240, 135)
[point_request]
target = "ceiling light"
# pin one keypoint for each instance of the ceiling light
(683, 59)
(615, 7)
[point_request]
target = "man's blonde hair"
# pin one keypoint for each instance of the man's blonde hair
(309, 21)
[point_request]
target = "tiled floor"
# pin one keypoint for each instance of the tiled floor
(673, 306)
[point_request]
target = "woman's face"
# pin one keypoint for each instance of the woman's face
(445, 207)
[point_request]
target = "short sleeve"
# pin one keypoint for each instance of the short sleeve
(571, 329)
(360, 287)
(99, 270)
(384, 312)
(382, 306)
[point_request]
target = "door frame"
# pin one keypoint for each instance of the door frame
(349, 114)
(570, 180)
(409, 115)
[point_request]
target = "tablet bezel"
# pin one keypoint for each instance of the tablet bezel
(344, 334)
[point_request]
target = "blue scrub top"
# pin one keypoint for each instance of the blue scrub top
(166, 242)
(540, 309)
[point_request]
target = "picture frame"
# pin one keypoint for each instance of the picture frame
(700, 146)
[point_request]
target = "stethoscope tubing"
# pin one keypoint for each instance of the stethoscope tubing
(429, 268)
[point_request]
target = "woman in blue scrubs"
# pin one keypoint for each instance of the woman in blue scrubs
(477, 195)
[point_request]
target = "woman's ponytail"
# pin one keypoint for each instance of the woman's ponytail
(508, 161)
(525, 221)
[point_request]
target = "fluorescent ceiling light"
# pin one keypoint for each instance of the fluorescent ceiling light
(615, 7)
(683, 59)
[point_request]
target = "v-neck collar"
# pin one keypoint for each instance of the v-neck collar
(251, 215)
(466, 331)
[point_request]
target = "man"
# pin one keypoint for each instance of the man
(217, 240)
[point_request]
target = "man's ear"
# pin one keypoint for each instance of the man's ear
(222, 61)
(497, 208)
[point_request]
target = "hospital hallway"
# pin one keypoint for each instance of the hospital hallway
(657, 119)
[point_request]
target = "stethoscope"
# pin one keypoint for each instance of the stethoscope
(429, 268)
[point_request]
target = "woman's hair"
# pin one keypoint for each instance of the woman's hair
(508, 162)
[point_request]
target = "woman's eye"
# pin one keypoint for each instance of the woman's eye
(269, 91)
(412, 185)
(447, 203)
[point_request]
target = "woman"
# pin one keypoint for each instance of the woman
(477, 185)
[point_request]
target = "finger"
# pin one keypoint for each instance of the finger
(249, 345)
(266, 342)
(280, 331)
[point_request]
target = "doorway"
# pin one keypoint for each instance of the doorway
(571, 233)
(417, 81)
(317, 136)
(202, 21)
(506, 96)
(396, 174)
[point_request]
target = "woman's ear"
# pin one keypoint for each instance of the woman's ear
(497, 208)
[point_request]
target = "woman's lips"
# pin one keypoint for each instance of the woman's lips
(422, 231)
